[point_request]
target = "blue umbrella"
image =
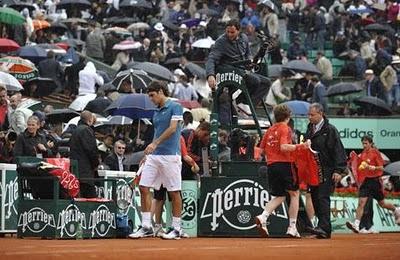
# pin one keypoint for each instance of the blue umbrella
(32, 53)
(191, 22)
(134, 106)
(298, 107)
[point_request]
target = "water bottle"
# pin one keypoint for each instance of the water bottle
(79, 231)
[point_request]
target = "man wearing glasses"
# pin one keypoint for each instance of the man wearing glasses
(163, 163)
(115, 160)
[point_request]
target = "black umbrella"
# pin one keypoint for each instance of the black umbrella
(170, 25)
(58, 26)
(378, 105)
(196, 70)
(138, 79)
(343, 88)
(73, 3)
(120, 20)
(301, 66)
(18, 5)
(136, 4)
(154, 70)
(375, 27)
(172, 61)
(44, 86)
(32, 53)
(209, 12)
(108, 87)
(393, 168)
(61, 115)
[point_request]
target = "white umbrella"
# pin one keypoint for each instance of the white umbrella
(127, 45)
(138, 26)
(11, 83)
(205, 43)
(81, 101)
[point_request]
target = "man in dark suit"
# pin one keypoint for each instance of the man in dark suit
(84, 149)
(50, 68)
(115, 160)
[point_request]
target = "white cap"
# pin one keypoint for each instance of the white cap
(183, 26)
(179, 72)
(159, 27)
(369, 71)
(203, 23)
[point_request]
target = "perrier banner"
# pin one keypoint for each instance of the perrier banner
(228, 206)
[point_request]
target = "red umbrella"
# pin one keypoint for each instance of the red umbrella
(189, 104)
(7, 45)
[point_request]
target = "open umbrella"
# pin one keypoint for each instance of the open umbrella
(343, 88)
(74, 20)
(44, 86)
(52, 47)
(208, 12)
(393, 168)
(274, 70)
(127, 45)
(154, 70)
(205, 43)
(138, 26)
(20, 68)
(196, 70)
(134, 106)
(81, 101)
(118, 30)
(136, 4)
(170, 25)
(11, 83)
(18, 5)
(11, 16)
(137, 78)
(121, 20)
(378, 105)
(59, 27)
(81, 4)
(7, 45)
(40, 24)
(118, 120)
(298, 108)
(189, 104)
(301, 66)
(191, 22)
(375, 27)
(62, 115)
(32, 52)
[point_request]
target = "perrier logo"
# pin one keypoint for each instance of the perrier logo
(229, 76)
(36, 220)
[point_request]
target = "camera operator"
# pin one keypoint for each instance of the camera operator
(230, 47)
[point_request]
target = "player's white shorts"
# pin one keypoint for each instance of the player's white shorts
(162, 170)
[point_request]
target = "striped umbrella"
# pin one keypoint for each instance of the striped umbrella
(127, 45)
(40, 24)
(21, 69)
(11, 16)
(11, 83)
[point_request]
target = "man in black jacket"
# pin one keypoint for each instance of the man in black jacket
(115, 160)
(230, 47)
(50, 68)
(326, 141)
(84, 150)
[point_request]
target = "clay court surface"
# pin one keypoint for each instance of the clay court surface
(349, 246)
